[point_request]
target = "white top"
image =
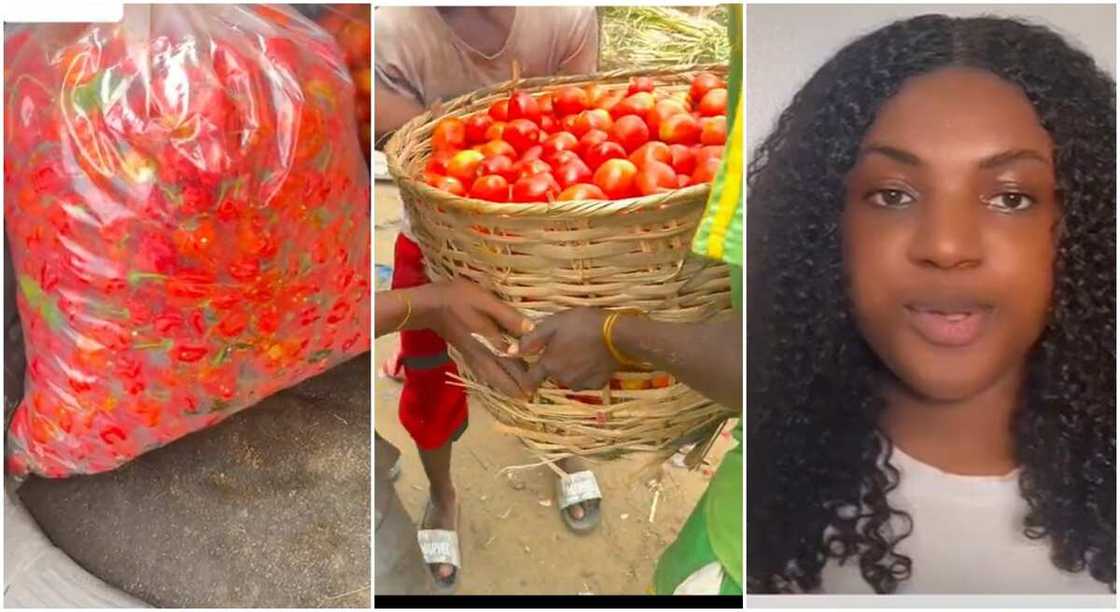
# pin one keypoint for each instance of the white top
(967, 538)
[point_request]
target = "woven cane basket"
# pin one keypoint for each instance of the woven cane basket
(544, 258)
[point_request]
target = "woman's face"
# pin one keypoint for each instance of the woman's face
(950, 227)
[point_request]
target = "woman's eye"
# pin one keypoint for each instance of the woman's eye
(1011, 202)
(890, 198)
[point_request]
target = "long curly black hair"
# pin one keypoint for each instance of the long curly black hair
(818, 484)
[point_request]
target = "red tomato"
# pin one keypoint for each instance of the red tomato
(491, 187)
(663, 110)
(560, 158)
(703, 154)
(464, 165)
(523, 106)
(705, 171)
(713, 103)
(594, 92)
(568, 124)
(531, 167)
(501, 165)
(631, 132)
(608, 100)
(684, 160)
(544, 101)
(603, 151)
(639, 104)
(569, 101)
(683, 180)
(702, 84)
(656, 177)
(437, 164)
(497, 147)
(594, 119)
(582, 191)
(450, 134)
(572, 173)
(616, 178)
(499, 111)
(590, 139)
(560, 141)
(549, 125)
(533, 152)
(680, 129)
(713, 130)
(522, 134)
(476, 126)
(640, 83)
(494, 132)
(450, 185)
(537, 188)
(651, 151)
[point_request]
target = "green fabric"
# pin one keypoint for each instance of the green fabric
(714, 530)
(720, 232)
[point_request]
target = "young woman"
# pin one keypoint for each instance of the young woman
(932, 282)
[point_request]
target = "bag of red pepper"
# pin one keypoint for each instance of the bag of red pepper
(188, 211)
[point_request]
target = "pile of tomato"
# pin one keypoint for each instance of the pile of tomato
(583, 143)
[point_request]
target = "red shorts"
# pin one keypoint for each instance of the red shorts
(431, 410)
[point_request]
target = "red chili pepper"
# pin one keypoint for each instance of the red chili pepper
(112, 434)
(127, 366)
(244, 269)
(233, 324)
(198, 322)
(189, 284)
(268, 321)
(168, 322)
(190, 353)
(309, 315)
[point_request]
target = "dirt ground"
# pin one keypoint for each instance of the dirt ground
(513, 540)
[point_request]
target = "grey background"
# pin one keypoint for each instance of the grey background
(787, 43)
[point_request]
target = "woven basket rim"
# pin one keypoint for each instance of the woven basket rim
(409, 132)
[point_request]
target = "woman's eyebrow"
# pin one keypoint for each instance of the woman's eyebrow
(894, 153)
(1013, 155)
(992, 161)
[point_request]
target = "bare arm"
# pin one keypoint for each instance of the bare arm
(455, 310)
(706, 356)
(393, 110)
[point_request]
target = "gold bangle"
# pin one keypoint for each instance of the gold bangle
(608, 339)
(407, 314)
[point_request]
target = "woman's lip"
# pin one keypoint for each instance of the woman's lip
(948, 326)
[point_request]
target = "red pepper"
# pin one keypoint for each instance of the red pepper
(112, 434)
(127, 367)
(198, 322)
(189, 284)
(168, 321)
(190, 353)
(233, 324)
(244, 268)
(309, 315)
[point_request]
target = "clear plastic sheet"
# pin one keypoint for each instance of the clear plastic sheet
(188, 214)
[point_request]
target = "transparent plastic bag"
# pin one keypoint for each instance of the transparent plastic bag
(350, 26)
(188, 212)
